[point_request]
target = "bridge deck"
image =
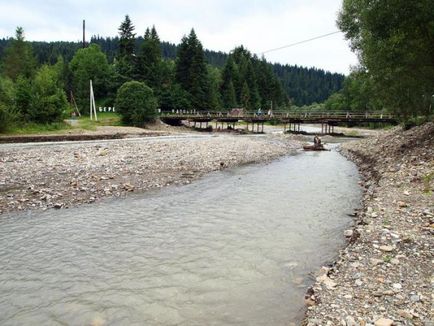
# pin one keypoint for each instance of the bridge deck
(331, 118)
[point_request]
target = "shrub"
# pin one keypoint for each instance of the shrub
(136, 103)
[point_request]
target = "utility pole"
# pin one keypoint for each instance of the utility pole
(84, 33)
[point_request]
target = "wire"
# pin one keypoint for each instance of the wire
(300, 42)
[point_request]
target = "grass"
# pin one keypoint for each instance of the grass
(387, 259)
(38, 128)
(427, 179)
(84, 122)
(104, 119)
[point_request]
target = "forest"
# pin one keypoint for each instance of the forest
(302, 85)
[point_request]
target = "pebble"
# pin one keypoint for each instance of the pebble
(383, 322)
(386, 248)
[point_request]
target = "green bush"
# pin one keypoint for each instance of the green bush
(136, 103)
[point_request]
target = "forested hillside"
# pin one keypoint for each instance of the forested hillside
(302, 85)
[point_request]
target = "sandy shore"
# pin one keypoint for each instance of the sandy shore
(65, 175)
(385, 275)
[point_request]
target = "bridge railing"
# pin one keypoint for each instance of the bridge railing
(280, 114)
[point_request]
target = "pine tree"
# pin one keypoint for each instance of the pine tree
(19, 59)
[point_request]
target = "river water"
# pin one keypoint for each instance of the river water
(233, 248)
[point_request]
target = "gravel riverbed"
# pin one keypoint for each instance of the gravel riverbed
(384, 276)
(64, 175)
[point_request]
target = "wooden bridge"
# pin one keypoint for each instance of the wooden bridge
(291, 121)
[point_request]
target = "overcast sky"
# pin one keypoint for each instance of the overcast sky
(259, 25)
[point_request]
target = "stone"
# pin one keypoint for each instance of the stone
(383, 322)
(58, 205)
(375, 261)
(397, 286)
(348, 233)
(402, 204)
(405, 314)
(329, 283)
(414, 298)
(386, 248)
(350, 321)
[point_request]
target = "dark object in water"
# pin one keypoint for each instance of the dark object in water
(319, 147)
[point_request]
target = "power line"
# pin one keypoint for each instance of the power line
(300, 42)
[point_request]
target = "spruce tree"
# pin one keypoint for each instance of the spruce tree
(19, 59)
(245, 97)
(192, 73)
(227, 89)
(149, 66)
(127, 38)
(125, 58)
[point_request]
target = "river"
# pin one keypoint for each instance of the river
(233, 248)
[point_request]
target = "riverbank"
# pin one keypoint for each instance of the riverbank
(65, 175)
(384, 276)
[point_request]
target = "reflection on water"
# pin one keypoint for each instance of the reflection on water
(234, 248)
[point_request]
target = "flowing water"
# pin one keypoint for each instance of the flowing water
(234, 248)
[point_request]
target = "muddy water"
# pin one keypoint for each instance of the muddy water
(234, 248)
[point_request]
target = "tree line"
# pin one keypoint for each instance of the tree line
(301, 85)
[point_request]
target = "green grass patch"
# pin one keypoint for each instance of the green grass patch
(104, 119)
(38, 128)
(427, 180)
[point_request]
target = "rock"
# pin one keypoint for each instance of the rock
(309, 302)
(375, 261)
(384, 322)
(128, 187)
(102, 152)
(358, 282)
(350, 321)
(397, 286)
(386, 248)
(326, 281)
(348, 233)
(58, 205)
(402, 204)
(405, 314)
(414, 298)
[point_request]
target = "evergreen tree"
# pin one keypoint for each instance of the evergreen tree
(125, 59)
(227, 89)
(23, 96)
(19, 59)
(127, 39)
(245, 97)
(149, 67)
(192, 73)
